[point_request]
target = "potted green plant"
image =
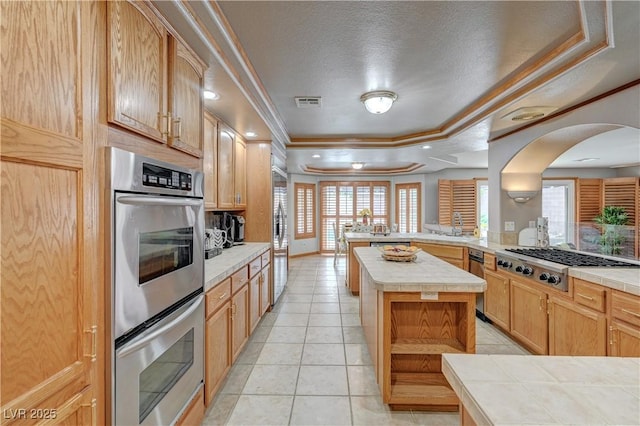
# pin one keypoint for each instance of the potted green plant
(611, 219)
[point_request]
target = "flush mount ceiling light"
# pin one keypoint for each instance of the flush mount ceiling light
(315, 156)
(521, 196)
(208, 94)
(426, 147)
(357, 165)
(528, 113)
(379, 101)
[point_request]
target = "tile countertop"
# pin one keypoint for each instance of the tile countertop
(549, 390)
(627, 280)
(421, 237)
(426, 274)
(220, 267)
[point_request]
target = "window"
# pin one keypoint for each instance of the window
(408, 207)
(483, 207)
(340, 203)
(558, 204)
(457, 196)
(305, 206)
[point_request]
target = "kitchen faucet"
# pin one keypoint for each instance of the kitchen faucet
(456, 223)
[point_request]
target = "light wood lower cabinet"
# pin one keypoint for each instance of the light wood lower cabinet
(254, 302)
(239, 320)
(624, 339)
(624, 328)
(455, 255)
(194, 413)
(265, 289)
(353, 267)
(407, 335)
(496, 299)
(529, 320)
(575, 330)
(217, 350)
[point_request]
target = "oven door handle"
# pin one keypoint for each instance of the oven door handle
(136, 345)
(159, 201)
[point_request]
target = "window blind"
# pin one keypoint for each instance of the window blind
(304, 205)
(340, 203)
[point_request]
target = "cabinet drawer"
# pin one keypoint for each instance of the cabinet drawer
(625, 307)
(589, 294)
(240, 278)
(452, 252)
(254, 267)
(489, 262)
(266, 258)
(217, 296)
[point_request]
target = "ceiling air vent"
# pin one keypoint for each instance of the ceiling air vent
(308, 101)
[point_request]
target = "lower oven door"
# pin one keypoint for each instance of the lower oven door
(158, 255)
(158, 371)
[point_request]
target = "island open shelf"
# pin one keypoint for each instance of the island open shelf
(408, 331)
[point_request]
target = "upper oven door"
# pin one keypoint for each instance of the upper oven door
(158, 252)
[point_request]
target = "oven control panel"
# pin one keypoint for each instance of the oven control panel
(162, 177)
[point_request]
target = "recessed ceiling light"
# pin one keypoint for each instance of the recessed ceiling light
(426, 147)
(251, 134)
(580, 160)
(357, 165)
(208, 94)
(315, 156)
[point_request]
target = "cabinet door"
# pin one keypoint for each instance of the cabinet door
(496, 299)
(185, 98)
(575, 330)
(265, 290)
(209, 162)
(137, 45)
(49, 270)
(624, 339)
(226, 142)
(240, 173)
(254, 302)
(239, 321)
(217, 351)
(529, 320)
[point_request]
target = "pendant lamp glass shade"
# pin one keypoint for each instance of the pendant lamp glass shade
(379, 101)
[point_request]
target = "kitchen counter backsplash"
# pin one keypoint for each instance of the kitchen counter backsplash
(225, 264)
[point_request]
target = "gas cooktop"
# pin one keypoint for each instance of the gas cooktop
(550, 266)
(571, 258)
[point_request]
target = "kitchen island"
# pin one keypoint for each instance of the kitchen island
(550, 390)
(412, 313)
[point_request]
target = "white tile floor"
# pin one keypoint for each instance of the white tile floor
(307, 363)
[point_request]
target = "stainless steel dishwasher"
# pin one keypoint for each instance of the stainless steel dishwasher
(476, 267)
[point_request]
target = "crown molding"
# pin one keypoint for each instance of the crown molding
(364, 171)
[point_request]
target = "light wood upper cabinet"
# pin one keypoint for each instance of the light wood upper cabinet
(529, 320)
(154, 81)
(137, 69)
(210, 164)
(186, 74)
(226, 146)
(240, 173)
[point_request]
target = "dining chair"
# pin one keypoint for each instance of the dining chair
(340, 245)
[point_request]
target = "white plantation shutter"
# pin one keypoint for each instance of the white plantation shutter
(340, 203)
(304, 205)
(408, 207)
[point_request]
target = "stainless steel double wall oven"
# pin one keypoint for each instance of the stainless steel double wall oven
(157, 303)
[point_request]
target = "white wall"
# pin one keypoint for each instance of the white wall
(629, 171)
(621, 108)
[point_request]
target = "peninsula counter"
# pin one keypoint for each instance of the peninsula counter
(412, 313)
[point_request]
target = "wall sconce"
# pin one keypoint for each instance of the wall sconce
(521, 196)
